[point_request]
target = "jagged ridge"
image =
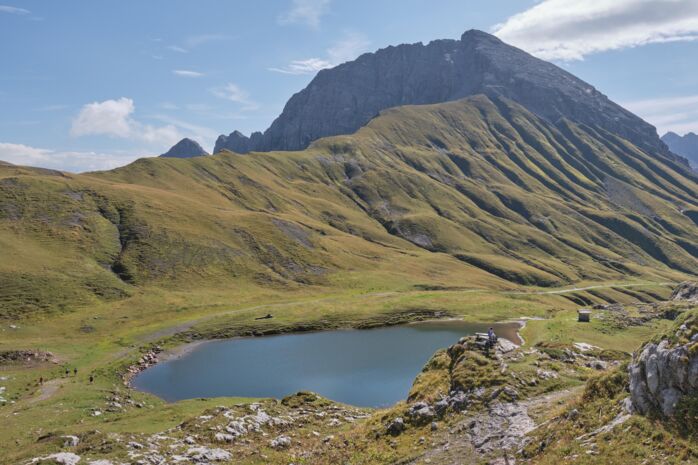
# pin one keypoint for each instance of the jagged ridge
(342, 99)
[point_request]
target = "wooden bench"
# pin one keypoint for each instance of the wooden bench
(483, 340)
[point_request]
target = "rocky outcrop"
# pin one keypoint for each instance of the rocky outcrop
(686, 146)
(26, 357)
(148, 359)
(343, 99)
(686, 291)
(185, 148)
(62, 458)
(661, 375)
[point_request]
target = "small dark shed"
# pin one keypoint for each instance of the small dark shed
(584, 316)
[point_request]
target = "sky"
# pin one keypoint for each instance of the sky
(88, 85)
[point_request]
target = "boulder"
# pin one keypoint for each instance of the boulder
(62, 458)
(686, 291)
(204, 454)
(281, 442)
(70, 441)
(661, 375)
(505, 346)
(396, 426)
(421, 413)
(224, 437)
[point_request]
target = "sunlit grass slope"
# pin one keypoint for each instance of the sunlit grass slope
(472, 194)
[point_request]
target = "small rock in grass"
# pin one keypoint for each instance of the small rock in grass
(70, 441)
(204, 454)
(396, 426)
(223, 437)
(63, 458)
(281, 442)
(421, 413)
(597, 365)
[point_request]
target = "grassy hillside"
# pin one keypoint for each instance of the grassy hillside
(474, 209)
(474, 193)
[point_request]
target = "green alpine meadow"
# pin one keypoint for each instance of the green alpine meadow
(451, 252)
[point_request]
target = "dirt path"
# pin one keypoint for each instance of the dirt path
(600, 286)
(176, 329)
(47, 390)
(172, 330)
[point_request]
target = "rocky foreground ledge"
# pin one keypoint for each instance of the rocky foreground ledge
(664, 374)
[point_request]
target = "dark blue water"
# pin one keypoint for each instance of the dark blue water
(369, 368)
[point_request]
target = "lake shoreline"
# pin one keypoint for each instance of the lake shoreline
(186, 348)
(449, 329)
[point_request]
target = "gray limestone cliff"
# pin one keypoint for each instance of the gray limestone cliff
(343, 99)
(664, 373)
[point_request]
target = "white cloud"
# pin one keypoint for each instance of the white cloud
(572, 29)
(345, 49)
(187, 73)
(178, 49)
(191, 42)
(678, 114)
(196, 132)
(234, 93)
(25, 155)
(13, 10)
(113, 118)
(307, 12)
(309, 66)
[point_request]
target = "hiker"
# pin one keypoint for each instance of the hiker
(67, 372)
(75, 371)
(491, 337)
(41, 381)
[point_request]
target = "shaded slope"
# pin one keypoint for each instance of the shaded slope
(474, 193)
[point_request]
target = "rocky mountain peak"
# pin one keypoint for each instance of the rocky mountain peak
(185, 148)
(686, 146)
(342, 99)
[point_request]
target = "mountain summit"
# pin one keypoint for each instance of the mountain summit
(343, 99)
(686, 146)
(185, 148)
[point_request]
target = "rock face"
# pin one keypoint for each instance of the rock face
(342, 99)
(185, 148)
(661, 376)
(686, 291)
(686, 146)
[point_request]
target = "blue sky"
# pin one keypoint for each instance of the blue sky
(92, 85)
